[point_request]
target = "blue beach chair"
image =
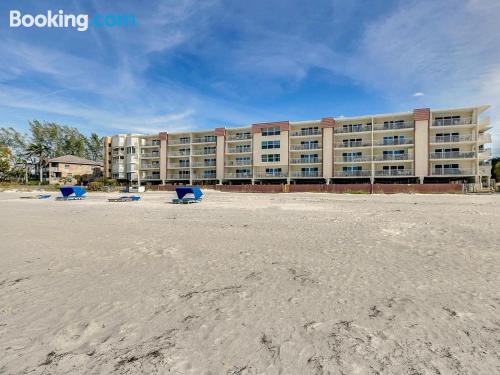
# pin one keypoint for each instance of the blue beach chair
(182, 191)
(72, 193)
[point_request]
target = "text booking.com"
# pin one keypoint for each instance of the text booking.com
(80, 22)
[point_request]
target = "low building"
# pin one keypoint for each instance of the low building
(64, 169)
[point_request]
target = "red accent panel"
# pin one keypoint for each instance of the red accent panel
(327, 122)
(421, 114)
(163, 136)
(220, 132)
(283, 125)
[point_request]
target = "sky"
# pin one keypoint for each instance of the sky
(205, 64)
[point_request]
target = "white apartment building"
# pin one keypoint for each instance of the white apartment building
(424, 145)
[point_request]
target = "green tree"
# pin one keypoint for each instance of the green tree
(94, 147)
(41, 152)
(5, 163)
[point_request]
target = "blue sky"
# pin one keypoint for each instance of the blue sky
(193, 65)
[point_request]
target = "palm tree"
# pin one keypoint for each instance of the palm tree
(94, 147)
(40, 151)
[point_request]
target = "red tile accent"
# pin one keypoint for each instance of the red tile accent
(327, 122)
(219, 132)
(283, 125)
(421, 114)
(163, 136)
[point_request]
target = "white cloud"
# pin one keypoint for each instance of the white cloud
(417, 94)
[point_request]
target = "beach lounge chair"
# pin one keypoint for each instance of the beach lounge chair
(125, 198)
(72, 193)
(182, 191)
(39, 196)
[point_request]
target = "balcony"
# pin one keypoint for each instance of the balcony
(207, 139)
(310, 146)
(239, 137)
(203, 152)
(304, 174)
(238, 150)
(353, 159)
(452, 139)
(208, 176)
(393, 142)
(452, 155)
(484, 138)
(271, 175)
(176, 154)
(353, 173)
(452, 172)
(153, 177)
(353, 129)
(393, 126)
(150, 166)
(203, 164)
(354, 144)
(485, 154)
(393, 172)
(305, 133)
(452, 121)
(150, 155)
(178, 166)
(305, 160)
(174, 142)
(178, 177)
(236, 163)
(394, 157)
(237, 175)
(150, 144)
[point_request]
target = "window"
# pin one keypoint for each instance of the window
(243, 148)
(352, 142)
(184, 151)
(309, 158)
(352, 168)
(309, 131)
(184, 140)
(270, 158)
(66, 166)
(271, 131)
(397, 124)
(351, 154)
(273, 171)
(310, 171)
(209, 138)
(309, 145)
(130, 150)
(243, 171)
(393, 167)
(270, 144)
(394, 140)
(184, 162)
(209, 162)
(184, 173)
(447, 120)
(155, 142)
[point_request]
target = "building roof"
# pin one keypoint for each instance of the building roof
(71, 159)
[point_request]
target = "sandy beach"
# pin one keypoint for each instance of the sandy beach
(245, 284)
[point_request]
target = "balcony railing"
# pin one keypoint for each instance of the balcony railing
(484, 138)
(173, 142)
(393, 142)
(353, 144)
(150, 177)
(238, 150)
(353, 129)
(150, 155)
(208, 139)
(452, 172)
(394, 172)
(178, 177)
(238, 175)
(353, 173)
(307, 146)
(150, 166)
(150, 144)
(203, 164)
(393, 125)
(203, 152)
(178, 165)
(239, 137)
(271, 175)
(354, 159)
(204, 176)
(451, 139)
(310, 174)
(305, 132)
(238, 162)
(452, 155)
(452, 121)
(305, 160)
(486, 153)
(389, 157)
(178, 153)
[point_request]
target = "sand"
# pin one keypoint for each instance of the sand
(251, 284)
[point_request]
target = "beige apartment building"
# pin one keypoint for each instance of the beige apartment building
(64, 169)
(424, 145)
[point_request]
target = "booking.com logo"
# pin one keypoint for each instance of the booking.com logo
(80, 22)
